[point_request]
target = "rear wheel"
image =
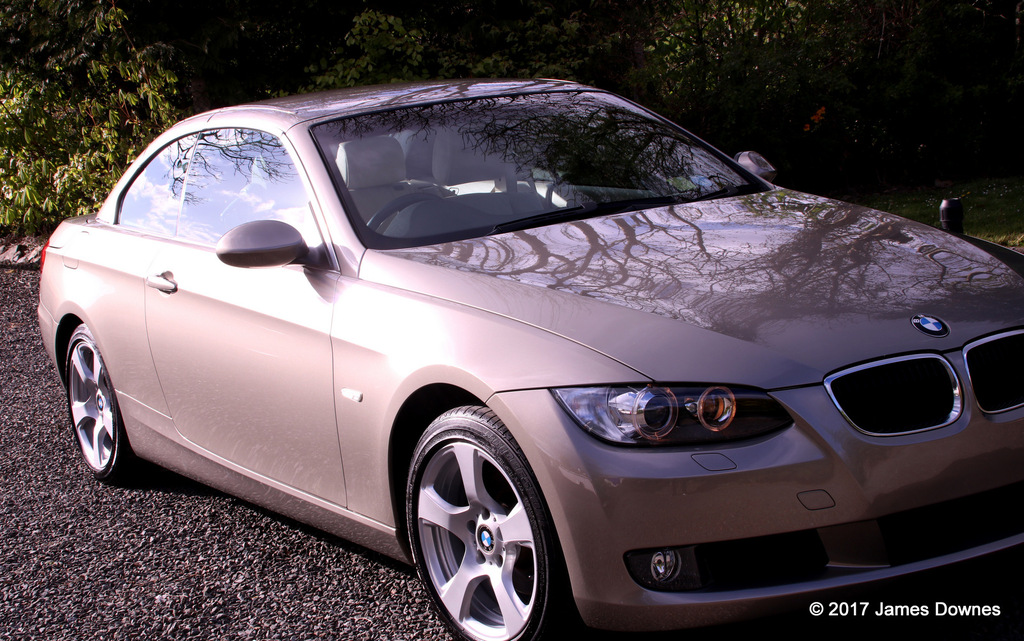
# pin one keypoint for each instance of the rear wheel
(480, 534)
(95, 416)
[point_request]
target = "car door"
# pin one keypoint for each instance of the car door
(244, 355)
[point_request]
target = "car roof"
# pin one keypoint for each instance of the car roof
(291, 110)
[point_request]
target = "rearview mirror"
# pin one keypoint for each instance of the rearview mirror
(261, 243)
(756, 164)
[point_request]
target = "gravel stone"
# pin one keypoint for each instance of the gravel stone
(169, 558)
(21, 251)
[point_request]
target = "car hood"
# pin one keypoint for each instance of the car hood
(772, 289)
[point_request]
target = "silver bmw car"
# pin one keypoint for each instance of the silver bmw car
(568, 359)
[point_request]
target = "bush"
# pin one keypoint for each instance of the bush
(75, 113)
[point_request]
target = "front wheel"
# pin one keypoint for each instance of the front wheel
(479, 532)
(95, 417)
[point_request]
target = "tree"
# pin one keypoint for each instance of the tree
(843, 93)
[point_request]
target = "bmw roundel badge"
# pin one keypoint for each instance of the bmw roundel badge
(930, 325)
(486, 539)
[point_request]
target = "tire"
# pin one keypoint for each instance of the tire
(95, 416)
(479, 531)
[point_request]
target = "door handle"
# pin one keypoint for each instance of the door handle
(163, 282)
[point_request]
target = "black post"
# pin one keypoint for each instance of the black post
(951, 215)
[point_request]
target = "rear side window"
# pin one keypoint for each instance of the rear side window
(153, 200)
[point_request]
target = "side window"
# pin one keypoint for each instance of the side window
(152, 201)
(237, 176)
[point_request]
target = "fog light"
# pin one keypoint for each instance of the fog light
(666, 569)
(663, 565)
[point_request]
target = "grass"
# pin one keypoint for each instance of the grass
(993, 207)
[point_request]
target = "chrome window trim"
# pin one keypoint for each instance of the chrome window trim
(967, 366)
(139, 171)
(958, 396)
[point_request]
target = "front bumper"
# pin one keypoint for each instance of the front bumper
(859, 500)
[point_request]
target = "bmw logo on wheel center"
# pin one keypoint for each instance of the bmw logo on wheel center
(930, 325)
(486, 539)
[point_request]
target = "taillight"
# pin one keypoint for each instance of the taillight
(42, 255)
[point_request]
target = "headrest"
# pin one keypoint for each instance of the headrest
(454, 165)
(371, 162)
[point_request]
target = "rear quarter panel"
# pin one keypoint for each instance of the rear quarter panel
(94, 273)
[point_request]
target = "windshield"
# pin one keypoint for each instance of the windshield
(463, 169)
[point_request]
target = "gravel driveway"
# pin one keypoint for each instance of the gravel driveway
(170, 558)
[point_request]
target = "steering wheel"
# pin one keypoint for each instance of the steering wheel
(392, 207)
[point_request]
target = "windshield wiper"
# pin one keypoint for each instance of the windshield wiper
(726, 192)
(586, 210)
(721, 193)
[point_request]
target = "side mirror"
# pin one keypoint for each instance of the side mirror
(756, 164)
(261, 243)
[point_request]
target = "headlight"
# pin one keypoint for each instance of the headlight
(650, 415)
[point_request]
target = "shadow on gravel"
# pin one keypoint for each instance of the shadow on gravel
(153, 478)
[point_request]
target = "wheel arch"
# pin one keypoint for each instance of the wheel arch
(416, 414)
(66, 327)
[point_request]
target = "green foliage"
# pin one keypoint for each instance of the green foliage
(70, 123)
(525, 39)
(754, 73)
(840, 93)
(378, 49)
(528, 39)
(836, 93)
